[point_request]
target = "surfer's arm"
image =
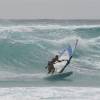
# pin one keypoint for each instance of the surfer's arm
(65, 60)
(62, 60)
(68, 60)
(59, 60)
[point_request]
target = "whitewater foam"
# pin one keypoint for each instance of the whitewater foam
(51, 93)
(30, 28)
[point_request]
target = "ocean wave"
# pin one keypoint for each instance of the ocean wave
(28, 48)
(16, 76)
(31, 28)
(45, 93)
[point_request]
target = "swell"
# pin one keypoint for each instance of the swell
(27, 48)
(32, 27)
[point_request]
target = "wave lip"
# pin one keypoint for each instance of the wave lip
(30, 28)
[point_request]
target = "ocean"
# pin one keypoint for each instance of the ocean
(26, 46)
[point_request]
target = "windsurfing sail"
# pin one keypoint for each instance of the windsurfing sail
(71, 50)
(66, 54)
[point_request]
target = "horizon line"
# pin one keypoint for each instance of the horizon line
(42, 19)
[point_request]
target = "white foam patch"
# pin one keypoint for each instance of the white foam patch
(97, 64)
(14, 76)
(30, 38)
(67, 39)
(95, 41)
(50, 93)
(30, 28)
(17, 28)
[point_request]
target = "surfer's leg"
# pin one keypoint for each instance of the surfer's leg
(53, 69)
(49, 69)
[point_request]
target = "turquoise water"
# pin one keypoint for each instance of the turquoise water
(26, 47)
